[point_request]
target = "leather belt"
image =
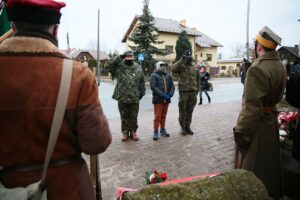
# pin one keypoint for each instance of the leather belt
(38, 166)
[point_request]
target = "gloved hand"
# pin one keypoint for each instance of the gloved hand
(166, 96)
(122, 56)
(246, 64)
(242, 141)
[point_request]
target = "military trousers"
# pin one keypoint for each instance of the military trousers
(128, 113)
(186, 104)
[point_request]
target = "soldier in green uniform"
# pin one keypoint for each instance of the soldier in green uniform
(188, 85)
(256, 133)
(129, 90)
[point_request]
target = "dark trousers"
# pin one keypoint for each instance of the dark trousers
(128, 113)
(186, 104)
(160, 113)
(206, 93)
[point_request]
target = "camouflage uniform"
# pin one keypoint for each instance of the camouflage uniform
(130, 88)
(188, 84)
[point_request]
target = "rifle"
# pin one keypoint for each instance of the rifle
(238, 158)
(95, 174)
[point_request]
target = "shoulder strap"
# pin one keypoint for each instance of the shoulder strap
(59, 112)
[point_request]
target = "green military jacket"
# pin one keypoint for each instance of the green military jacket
(130, 87)
(257, 124)
(188, 76)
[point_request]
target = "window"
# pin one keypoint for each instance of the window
(169, 49)
(223, 68)
(208, 57)
(196, 57)
(201, 55)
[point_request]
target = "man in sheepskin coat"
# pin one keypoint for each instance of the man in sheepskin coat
(30, 75)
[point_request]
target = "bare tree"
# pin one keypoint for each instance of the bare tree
(238, 50)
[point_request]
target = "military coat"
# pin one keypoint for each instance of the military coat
(257, 124)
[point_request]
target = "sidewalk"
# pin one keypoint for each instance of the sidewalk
(213, 80)
(209, 150)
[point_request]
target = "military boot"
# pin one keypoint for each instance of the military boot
(183, 131)
(200, 101)
(208, 99)
(134, 136)
(189, 130)
(125, 137)
(155, 135)
(164, 133)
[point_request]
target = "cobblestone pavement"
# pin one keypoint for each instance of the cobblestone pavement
(209, 150)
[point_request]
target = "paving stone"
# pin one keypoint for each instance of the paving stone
(209, 150)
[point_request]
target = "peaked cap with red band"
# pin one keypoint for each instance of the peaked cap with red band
(34, 11)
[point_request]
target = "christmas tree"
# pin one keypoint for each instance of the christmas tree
(145, 36)
(182, 44)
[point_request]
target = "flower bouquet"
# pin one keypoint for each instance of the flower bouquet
(287, 126)
(287, 123)
(155, 176)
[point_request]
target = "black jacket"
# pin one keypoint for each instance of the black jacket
(161, 84)
(204, 77)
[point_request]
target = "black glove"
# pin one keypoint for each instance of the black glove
(122, 56)
(246, 64)
(242, 142)
(187, 53)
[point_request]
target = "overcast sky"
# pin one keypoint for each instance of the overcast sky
(222, 20)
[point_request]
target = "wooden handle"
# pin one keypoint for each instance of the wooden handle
(6, 35)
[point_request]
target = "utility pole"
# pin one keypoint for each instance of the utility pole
(98, 48)
(68, 43)
(247, 30)
(94, 160)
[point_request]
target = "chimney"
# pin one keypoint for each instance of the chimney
(194, 29)
(182, 22)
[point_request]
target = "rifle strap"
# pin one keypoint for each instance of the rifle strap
(59, 112)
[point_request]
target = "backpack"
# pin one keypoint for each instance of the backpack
(293, 91)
